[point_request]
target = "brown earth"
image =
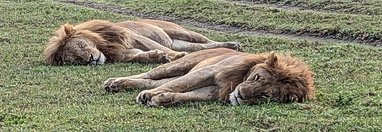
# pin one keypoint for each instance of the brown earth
(300, 5)
(311, 35)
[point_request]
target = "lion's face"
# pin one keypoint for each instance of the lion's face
(81, 51)
(270, 81)
(260, 86)
(70, 46)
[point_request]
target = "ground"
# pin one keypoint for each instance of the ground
(339, 40)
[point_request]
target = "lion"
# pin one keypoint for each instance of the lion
(99, 41)
(222, 74)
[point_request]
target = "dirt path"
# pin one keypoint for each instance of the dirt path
(284, 7)
(209, 26)
(316, 8)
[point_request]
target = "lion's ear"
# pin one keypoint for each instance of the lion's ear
(271, 60)
(68, 29)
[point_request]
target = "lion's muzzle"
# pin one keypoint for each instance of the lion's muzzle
(97, 60)
(235, 98)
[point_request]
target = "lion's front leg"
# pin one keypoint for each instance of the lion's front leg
(126, 83)
(191, 81)
(168, 98)
(191, 46)
(152, 56)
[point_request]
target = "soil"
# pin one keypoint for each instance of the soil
(315, 35)
(325, 7)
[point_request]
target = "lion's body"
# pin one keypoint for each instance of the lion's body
(225, 75)
(142, 40)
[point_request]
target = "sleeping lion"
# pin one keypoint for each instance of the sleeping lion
(222, 74)
(151, 41)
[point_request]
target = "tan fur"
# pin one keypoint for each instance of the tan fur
(142, 41)
(240, 78)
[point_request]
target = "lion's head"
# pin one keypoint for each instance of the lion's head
(278, 79)
(69, 46)
(90, 42)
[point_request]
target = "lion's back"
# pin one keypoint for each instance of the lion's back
(161, 24)
(147, 30)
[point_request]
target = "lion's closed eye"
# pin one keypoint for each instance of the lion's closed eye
(265, 96)
(256, 77)
(81, 45)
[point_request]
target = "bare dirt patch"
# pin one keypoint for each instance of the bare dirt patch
(315, 35)
(341, 7)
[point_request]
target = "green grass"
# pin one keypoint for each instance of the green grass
(342, 26)
(365, 7)
(36, 97)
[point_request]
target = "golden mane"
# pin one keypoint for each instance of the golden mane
(288, 69)
(110, 39)
(292, 69)
(55, 45)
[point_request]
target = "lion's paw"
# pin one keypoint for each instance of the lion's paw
(115, 84)
(107, 84)
(159, 56)
(145, 96)
(179, 55)
(163, 99)
(234, 45)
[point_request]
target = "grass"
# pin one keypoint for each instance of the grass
(37, 97)
(366, 7)
(363, 28)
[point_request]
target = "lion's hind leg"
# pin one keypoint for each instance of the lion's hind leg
(182, 45)
(186, 35)
(152, 56)
(144, 43)
(200, 94)
(186, 40)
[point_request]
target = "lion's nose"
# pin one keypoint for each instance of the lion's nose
(92, 60)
